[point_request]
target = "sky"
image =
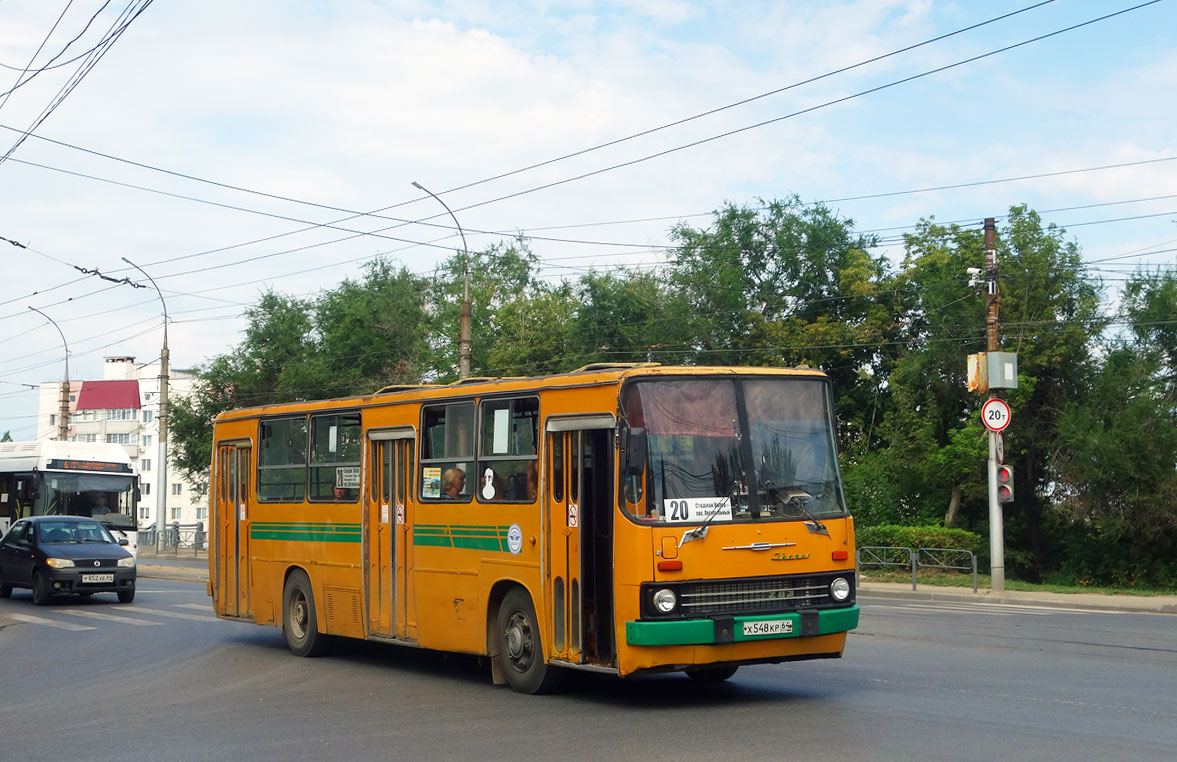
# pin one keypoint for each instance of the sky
(230, 147)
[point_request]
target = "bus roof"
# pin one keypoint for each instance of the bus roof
(25, 456)
(589, 375)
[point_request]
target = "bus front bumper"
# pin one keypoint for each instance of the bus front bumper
(741, 629)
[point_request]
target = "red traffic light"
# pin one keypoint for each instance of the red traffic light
(1005, 484)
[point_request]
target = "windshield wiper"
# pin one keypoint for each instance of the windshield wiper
(794, 495)
(700, 532)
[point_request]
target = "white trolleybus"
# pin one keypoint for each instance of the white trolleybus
(69, 479)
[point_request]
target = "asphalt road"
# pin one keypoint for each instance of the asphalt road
(161, 679)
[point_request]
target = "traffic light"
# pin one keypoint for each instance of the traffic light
(1005, 484)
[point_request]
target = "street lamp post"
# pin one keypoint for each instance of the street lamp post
(161, 498)
(63, 398)
(465, 316)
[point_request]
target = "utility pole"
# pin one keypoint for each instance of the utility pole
(63, 398)
(464, 318)
(161, 498)
(996, 523)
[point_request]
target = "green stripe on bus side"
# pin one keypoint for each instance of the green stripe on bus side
(304, 532)
(466, 537)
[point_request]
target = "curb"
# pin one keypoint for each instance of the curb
(176, 573)
(1096, 602)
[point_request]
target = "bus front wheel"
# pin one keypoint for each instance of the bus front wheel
(520, 650)
(299, 623)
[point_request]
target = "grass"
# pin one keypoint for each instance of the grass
(955, 579)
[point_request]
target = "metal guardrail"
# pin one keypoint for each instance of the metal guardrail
(177, 536)
(919, 558)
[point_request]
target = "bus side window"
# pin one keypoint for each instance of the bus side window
(447, 452)
(508, 450)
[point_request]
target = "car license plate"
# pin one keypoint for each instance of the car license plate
(92, 578)
(768, 627)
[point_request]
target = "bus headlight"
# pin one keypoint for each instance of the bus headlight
(839, 589)
(59, 563)
(128, 562)
(665, 600)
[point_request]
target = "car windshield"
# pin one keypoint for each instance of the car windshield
(74, 532)
(734, 449)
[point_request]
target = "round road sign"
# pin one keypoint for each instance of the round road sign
(995, 414)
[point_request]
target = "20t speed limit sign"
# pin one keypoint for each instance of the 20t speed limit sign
(995, 414)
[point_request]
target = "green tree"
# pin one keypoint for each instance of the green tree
(499, 275)
(355, 338)
(1115, 458)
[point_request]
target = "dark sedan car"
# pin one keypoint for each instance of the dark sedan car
(65, 554)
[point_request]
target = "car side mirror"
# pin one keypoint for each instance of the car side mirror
(124, 541)
(633, 451)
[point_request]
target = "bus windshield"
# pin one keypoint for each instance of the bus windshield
(733, 450)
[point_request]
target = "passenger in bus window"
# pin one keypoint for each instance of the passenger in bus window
(453, 481)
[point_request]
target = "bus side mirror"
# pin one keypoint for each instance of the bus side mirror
(633, 451)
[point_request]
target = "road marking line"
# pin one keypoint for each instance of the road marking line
(111, 618)
(198, 606)
(932, 609)
(30, 619)
(174, 614)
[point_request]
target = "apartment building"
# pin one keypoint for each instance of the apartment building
(123, 408)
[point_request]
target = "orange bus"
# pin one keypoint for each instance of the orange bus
(623, 519)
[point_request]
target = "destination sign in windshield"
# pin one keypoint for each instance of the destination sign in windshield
(89, 465)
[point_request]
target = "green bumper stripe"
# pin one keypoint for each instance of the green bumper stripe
(702, 631)
(466, 537)
(304, 532)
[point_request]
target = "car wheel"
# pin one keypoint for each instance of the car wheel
(299, 623)
(5, 588)
(126, 596)
(520, 649)
(40, 589)
(711, 675)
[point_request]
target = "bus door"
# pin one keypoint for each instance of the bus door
(232, 530)
(386, 538)
(580, 571)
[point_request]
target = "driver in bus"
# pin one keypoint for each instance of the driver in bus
(99, 507)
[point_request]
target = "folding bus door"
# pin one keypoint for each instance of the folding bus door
(385, 526)
(577, 510)
(232, 528)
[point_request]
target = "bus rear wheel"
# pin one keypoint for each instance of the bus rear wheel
(520, 650)
(299, 623)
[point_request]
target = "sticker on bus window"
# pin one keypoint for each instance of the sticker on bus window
(431, 481)
(696, 509)
(347, 477)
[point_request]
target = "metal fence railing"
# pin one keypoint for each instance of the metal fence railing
(176, 537)
(919, 558)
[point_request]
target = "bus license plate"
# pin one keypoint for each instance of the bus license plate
(769, 627)
(92, 578)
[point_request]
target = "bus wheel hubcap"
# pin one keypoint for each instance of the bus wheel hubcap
(298, 617)
(519, 642)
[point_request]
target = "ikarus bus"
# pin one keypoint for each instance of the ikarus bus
(620, 519)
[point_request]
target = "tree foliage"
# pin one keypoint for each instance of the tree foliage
(1094, 435)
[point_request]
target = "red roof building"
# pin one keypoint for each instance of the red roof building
(109, 395)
